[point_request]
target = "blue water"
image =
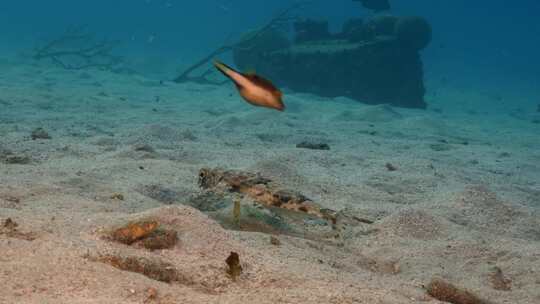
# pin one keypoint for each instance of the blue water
(488, 43)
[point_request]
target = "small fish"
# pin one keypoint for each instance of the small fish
(254, 89)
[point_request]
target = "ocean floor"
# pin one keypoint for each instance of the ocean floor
(451, 193)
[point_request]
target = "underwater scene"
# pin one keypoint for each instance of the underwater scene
(234, 151)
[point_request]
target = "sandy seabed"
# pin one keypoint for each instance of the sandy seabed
(463, 203)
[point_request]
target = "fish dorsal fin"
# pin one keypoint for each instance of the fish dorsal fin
(263, 83)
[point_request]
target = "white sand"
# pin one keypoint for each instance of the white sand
(465, 197)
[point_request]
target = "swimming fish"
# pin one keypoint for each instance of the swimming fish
(376, 5)
(254, 89)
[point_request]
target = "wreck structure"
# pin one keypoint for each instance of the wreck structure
(375, 61)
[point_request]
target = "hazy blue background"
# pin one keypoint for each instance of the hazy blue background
(489, 44)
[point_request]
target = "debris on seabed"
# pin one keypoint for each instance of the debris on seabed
(447, 292)
(313, 145)
(40, 133)
(9, 228)
(147, 233)
(391, 167)
(152, 268)
(234, 268)
(117, 196)
(134, 231)
(498, 280)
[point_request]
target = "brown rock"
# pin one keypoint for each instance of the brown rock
(446, 292)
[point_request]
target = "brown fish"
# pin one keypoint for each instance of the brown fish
(254, 89)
